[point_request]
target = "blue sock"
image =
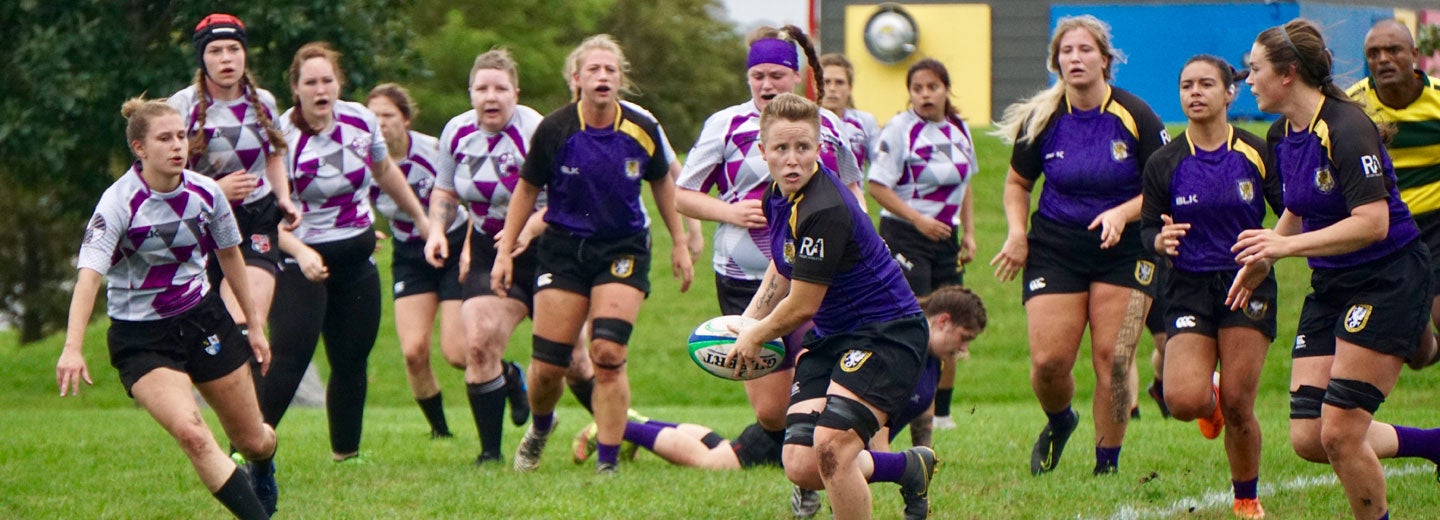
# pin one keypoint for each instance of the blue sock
(661, 424)
(1107, 457)
(1064, 417)
(1246, 489)
(1417, 442)
(608, 453)
(543, 421)
(888, 466)
(642, 434)
(1385, 516)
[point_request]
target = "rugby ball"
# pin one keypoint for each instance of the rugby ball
(712, 340)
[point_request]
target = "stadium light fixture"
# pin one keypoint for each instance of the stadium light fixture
(891, 33)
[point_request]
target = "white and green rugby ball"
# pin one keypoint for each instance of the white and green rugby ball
(712, 341)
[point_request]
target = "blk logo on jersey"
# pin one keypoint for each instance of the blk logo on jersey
(1357, 317)
(854, 359)
(1185, 322)
(1144, 271)
(1246, 190)
(623, 267)
(1186, 200)
(1057, 154)
(812, 248)
(1324, 181)
(570, 170)
(1370, 164)
(1119, 151)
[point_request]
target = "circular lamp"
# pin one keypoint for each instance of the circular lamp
(891, 34)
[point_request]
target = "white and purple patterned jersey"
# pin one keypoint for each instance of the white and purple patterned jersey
(237, 141)
(726, 157)
(482, 168)
(331, 172)
(152, 247)
(928, 164)
(863, 132)
(419, 166)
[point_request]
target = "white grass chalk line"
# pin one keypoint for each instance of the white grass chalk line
(1219, 499)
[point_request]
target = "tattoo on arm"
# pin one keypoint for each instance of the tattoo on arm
(768, 297)
(447, 211)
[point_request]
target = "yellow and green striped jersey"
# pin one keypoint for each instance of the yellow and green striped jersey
(1415, 148)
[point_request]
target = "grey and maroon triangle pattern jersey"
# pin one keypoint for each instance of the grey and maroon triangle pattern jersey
(482, 168)
(331, 172)
(237, 141)
(152, 247)
(419, 166)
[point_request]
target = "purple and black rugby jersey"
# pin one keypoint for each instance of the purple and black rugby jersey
(1091, 159)
(152, 247)
(820, 235)
(1219, 193)
(592, 173)
(1336, 165)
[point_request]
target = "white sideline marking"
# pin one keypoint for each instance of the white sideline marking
(1219, 499)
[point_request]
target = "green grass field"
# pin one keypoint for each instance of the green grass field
(99, 456)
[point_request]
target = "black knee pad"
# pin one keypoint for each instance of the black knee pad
(755, 447)
(712, 440)
(1349, 394)
(800, 428)
(611, 329)
(552, 352)
(1305, 402)
(844, 413)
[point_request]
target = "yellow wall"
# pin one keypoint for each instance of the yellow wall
(956, 34)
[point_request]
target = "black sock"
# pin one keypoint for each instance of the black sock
(942, 401)
(239, 497)
(487, 405)
(582, 391)
(434, 408)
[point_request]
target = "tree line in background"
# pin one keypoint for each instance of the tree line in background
(71, 63)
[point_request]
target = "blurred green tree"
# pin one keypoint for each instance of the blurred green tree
(71, 63)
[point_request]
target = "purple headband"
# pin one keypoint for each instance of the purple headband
(773, 50)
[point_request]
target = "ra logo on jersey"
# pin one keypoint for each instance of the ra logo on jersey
(1323, 180)
(854, 359)
(1247, 190)
(1357, 317)
(1144, 272)
(812, 248)
(1256, 309)
(632, 169)
(789, 252)
(1370, 164)
(623, 267)
(1119, 150)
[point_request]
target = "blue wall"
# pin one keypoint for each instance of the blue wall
(1159, 38)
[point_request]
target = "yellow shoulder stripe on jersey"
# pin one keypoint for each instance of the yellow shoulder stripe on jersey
(1125, 118)
(1321, 129)
(633, 130)
(1250, 153)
